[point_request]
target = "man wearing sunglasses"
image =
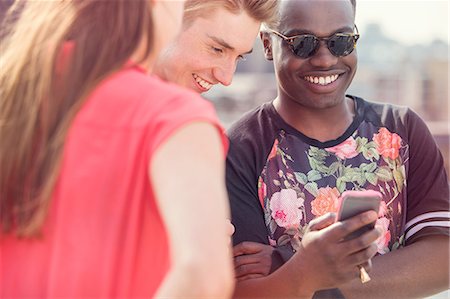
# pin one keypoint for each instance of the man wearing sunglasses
(291, 159)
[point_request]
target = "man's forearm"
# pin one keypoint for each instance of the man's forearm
(418, 270)
(286, 282)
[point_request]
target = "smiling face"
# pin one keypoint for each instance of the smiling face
(321, 80)
(207, 50)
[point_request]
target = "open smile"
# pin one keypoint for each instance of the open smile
(321, 80)
(205, 85)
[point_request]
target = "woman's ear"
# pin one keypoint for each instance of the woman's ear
(267, 43)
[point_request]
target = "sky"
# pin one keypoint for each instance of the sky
(408, 21)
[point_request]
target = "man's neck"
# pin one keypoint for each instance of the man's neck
(322, 124)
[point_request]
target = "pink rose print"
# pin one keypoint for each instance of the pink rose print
(383, 209)
(273, 152)
(383, 241)
(262, 191)
(285, 207)
(345, 150)
(388, 144)
(326, 201)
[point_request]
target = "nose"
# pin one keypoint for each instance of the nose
(323, 57)
(224, 72)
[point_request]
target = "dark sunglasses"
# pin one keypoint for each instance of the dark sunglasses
(306, 45)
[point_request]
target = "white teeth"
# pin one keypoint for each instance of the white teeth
(321, 80)
(206, 85)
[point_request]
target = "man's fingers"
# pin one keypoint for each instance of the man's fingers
(365, 240)
(250, 276)
(248, 269)
(367, 265)
(264, 258)
(322, 221)
(245, 259)
(252, 258)
(341, 229)
(248, 248)
(363, 256)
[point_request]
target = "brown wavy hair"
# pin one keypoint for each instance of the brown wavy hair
(38, 104)
(264, 11)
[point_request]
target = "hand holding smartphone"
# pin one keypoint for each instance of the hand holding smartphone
(357, 202)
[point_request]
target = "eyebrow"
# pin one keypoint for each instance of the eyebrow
(294, 32)
(225, 44)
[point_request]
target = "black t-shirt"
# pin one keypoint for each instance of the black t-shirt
(279, 179)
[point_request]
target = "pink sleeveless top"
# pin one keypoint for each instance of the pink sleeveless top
(104, 236)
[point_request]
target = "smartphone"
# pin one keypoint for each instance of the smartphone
(356, 202)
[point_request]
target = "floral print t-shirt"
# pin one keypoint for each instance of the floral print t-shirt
(279, 179)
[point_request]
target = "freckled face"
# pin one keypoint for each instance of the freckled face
(207, 50)
(321, 80)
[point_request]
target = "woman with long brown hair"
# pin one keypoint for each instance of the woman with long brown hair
(107, 175)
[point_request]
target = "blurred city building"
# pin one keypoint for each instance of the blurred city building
(416, 76)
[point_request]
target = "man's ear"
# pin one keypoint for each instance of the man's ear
(267, 43)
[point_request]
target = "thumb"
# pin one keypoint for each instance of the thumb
(322, 221)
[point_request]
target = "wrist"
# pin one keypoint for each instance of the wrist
(304, 286)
